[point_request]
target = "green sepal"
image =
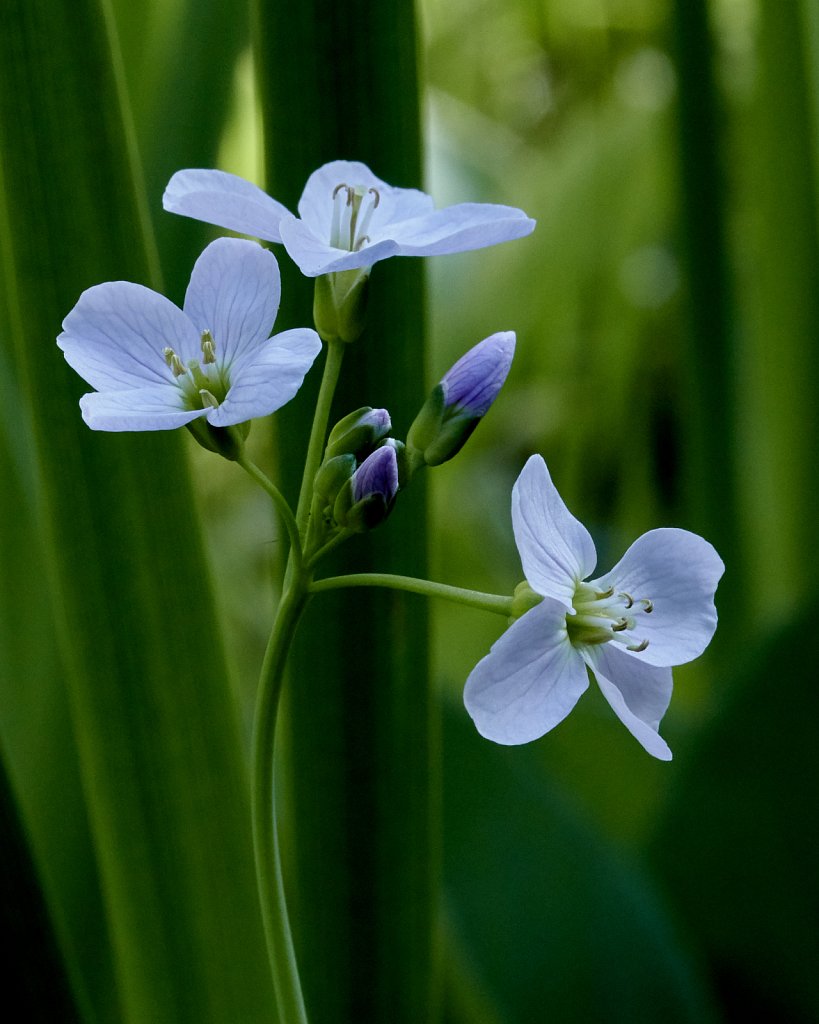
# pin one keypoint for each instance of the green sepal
(225, 441)
(350, 434)
(523, 600)
(362, 516)
(332, 476)
(453, 435)
(340, 304)
(427, 424)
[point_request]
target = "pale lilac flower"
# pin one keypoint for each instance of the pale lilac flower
(348, 218)
(653, 610)
(156, 367)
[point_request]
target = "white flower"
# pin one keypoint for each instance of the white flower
(156, 366)
(653, 610)
(348, 218)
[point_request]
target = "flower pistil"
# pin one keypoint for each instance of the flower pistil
(353, 208)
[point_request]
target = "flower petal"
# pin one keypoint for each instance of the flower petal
(638, 693)
(234, 293)
(556, 550)
(152, 408)
(530, 680)
(678, 572)
(460, 228)
(270, 379)
(314, 256)
(226, 200)
(114, 337)
(317, 199)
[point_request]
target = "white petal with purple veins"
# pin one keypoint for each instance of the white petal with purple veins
(530, 680)
(226, 200)
(234, 293)
(678, 572)
(556, 550)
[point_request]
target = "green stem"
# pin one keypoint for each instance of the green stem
(296, 594)
(325, 549)
(265, 838)
(471, 598)
(281, 504)
(315, 447)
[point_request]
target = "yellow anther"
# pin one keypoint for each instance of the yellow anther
(637, 648)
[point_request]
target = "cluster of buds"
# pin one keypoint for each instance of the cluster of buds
(364, 468)
(358, 481)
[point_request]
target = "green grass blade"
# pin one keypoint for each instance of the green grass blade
(156, 730)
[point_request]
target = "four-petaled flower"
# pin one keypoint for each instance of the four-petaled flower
(156, 367)
(653, 610)
(348, 218)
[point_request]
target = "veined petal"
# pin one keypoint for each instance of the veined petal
(556, 550)
(234, 293)
(678, 572)
(316, 203)
(530, 680)
(638, 693)
(314, 255)
(460, 228)
(226, 200)
(269, 379)
(153, 408)
(114, 337)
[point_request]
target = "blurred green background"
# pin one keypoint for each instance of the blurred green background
(667, 315)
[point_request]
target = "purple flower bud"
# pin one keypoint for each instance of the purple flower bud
(377, 475)
(473, 383)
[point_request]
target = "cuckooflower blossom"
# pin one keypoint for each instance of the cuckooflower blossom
(156, 367)
(348, 219)
(654, 609)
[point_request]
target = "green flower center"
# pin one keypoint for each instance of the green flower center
(353, 208)
(204, 384)
(601, 616)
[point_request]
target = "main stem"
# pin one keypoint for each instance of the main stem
(265, 841)
(294, 599)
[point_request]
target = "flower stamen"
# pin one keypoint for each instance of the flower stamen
(208, 348)
(175, 364)
(600, 616)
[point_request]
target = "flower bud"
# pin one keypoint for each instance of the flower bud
(358, 432)
(458, 403)
(367, 498)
